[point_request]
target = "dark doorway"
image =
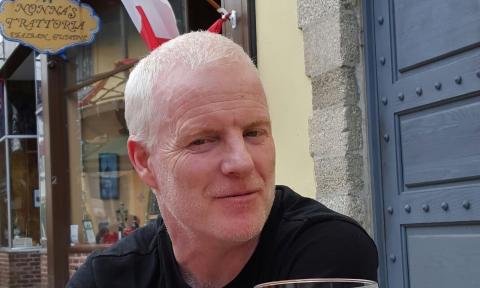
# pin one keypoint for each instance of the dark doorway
(201, 15)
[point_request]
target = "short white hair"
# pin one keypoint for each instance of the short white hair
(192, 50)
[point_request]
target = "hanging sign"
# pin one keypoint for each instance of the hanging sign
(48, 26)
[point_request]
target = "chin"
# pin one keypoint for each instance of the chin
(239, 234)
(241, 229)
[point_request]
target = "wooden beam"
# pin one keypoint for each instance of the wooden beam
(19, 54)
(56, 170)
(121, 66)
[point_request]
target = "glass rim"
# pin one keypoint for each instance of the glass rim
(316, 280)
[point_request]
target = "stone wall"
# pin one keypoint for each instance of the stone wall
(334, 63)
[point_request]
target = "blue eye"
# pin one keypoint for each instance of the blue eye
(252, 133)
(202, 144)
(199, 142)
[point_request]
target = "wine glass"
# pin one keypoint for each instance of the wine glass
(320, 283)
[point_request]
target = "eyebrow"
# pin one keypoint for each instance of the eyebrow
(197, 130)
(258, 123)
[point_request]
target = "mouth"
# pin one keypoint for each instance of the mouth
(238, 195)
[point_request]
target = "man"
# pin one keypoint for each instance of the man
(200, 137)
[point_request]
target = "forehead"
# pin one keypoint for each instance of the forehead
(185, 89)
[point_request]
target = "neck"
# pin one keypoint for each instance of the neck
(200, 260)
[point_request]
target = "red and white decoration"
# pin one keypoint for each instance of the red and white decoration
(154, 20)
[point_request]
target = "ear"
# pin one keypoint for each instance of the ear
(139, 156)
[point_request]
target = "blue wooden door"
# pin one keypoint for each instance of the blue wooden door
(425, 58)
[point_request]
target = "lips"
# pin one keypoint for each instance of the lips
(232, 194)
(237, 195)
(238, 201)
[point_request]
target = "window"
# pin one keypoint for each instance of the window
(19, 182)
(105, 190)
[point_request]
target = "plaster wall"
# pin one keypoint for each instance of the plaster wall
(289, 91)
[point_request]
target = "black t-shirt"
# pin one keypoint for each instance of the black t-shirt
(301, 239)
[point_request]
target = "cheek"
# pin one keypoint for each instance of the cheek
(194, 170)
(264, 159)
(162, 169)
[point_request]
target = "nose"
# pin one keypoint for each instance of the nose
(237, 160)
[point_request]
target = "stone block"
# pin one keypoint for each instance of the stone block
(338, 86)
(322, 46)
(339, 175)
(354, 128)
(326, 128)
(335, 131)
(330, 43)
(355, 207)
(350, 40)
(313, 10)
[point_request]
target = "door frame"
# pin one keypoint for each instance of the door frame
(373, 137)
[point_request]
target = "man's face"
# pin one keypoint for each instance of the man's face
(214, 156)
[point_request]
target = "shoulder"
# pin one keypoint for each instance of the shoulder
(291, 206)
(334, 248)
(319, 242)
(122, 259)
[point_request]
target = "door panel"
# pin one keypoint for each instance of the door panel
(428, 30)
(435, 254)
(428, 136)
(427, 63)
